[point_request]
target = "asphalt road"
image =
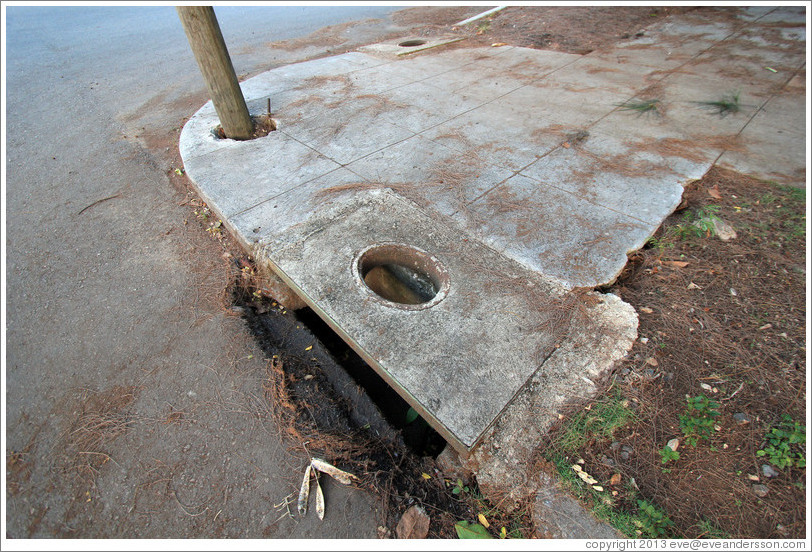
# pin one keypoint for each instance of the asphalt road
(113, 302)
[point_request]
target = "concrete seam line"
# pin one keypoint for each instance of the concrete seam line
(480, 16)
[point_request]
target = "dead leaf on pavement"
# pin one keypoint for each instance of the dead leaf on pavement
(341, 476)
(319, 498)
(304, 492)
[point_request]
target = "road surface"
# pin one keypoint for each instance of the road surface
(113, 312)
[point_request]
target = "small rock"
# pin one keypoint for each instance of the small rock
(723, 230)
(626, 452)
(615, 479)
(414, 524)
(760, 490)
(643, 340)
(651, 361)
(741, 418)
(673, 444)
(646, 310)
(769, 471)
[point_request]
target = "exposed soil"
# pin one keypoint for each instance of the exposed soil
(575, 30)
(723, 319)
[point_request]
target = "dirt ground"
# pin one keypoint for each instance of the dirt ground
(720, 319)
(575, 30)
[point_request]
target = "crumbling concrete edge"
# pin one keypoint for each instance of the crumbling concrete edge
(503, 463)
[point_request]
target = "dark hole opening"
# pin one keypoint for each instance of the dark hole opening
(417, 434)
(400, 284)
(411, 43)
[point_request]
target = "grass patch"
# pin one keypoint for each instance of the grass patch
(597, 421)
(727, 104)
(641, 106)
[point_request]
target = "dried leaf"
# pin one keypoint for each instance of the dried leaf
(414, 524)
(677, 264)
(497, 44)
(673, 444)
(714, 192)
(705, 386)
(319, 498)
(597, 488)
(693, 286)
(588, 479)
(483, 521)
(308, 348)
(337, 474)
(576, 468)
(425, 475)
(304, 492)
(646, 310)
(615, 479)
(651, 361)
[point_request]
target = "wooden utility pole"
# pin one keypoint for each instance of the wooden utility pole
(206, 40)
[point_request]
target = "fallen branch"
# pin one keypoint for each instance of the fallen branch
(97, 202)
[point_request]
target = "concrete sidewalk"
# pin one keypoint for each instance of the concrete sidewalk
(545, 167)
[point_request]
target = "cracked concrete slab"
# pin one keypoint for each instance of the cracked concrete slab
(503, 164)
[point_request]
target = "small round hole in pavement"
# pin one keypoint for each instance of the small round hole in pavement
(411, 43)
(401, 275)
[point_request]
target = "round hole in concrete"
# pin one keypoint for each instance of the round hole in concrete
(411, 43)
(401, 275)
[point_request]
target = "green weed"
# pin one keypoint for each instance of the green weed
(459, 487)
(651, 521)
(483, 27)
(785, 444)
(698, 420)
(667, 455)
(467, 530)
(699, 222)
(659, 243)
(641, 106)
(597, 421)
(708, 530)
(727, 104)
